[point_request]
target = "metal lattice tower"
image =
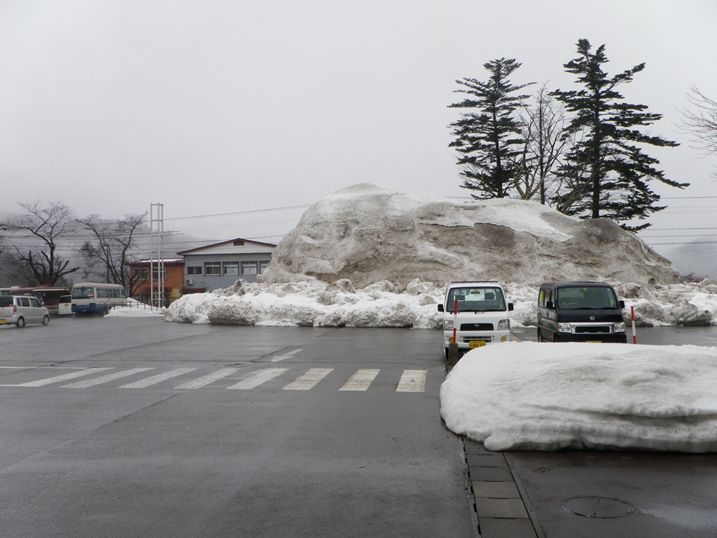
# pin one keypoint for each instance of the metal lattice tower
(156, 259)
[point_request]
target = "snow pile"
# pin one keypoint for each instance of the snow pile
(687, 303)
(400, 249)
(135, 309)
(368, 234)
(313, 303)
(553, 396)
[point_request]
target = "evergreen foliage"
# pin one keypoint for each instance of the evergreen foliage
(606, 170)
(488, 135)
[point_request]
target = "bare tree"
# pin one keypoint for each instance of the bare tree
(112, 247)
(47, 224)
(544, 142)
(701, 121)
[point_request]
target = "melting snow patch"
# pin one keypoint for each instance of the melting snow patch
(524, 395)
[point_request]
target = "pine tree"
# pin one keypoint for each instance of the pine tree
(489, 135)
(606, 169)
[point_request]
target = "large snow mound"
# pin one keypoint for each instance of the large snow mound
(553, 396)
(367, 234)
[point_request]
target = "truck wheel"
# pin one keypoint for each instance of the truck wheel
(46, 320)
(20, 323)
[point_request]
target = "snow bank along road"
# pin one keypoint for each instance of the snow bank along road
(137, 427)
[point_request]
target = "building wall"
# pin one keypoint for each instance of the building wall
(214, 282)
(173, 283)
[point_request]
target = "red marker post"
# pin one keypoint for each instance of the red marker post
(632, 317)
(455, 319)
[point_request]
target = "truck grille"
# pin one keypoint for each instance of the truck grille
(476, 327)
(601, 329)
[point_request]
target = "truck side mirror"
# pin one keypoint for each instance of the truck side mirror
(621, 304)
(549, 305)
(440, 308)
(510, 306)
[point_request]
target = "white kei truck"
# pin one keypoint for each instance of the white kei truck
(476, 312)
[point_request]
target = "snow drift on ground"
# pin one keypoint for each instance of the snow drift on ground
(400, 249)
(135, 309)
(367, 233)
(524, 395)
(314, 303)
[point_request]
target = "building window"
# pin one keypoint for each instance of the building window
(212, 268)
(263, 266)
(194, 270)
(231, 268)
(238, 243)
(248, 268)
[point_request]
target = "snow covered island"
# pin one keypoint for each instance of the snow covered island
(524, 395)
(368, 256)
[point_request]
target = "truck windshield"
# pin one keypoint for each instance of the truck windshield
(476, 299)
(587, 298)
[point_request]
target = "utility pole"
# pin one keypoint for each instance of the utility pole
(156, 259)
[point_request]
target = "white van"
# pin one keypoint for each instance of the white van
(482, 315)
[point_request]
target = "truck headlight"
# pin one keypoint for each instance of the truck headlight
(618, 327)
(447, 324)
(504, 325)
(565, 327)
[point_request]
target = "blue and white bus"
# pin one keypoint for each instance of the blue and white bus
(96, 298)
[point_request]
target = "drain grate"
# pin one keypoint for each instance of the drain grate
(598, 507)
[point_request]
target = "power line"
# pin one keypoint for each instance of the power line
(244, 212)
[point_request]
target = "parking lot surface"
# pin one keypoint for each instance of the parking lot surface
(137, 427)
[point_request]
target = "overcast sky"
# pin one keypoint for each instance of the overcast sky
(220, 106)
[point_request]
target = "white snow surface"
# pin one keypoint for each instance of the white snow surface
(314, 303)
(368, 233)
(135, 309)
(530, 396)
(367, 256)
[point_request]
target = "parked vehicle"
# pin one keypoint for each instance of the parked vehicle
(481, 317)
(96, 298)
(49, 296)
(20, 310)
(580, 312)
(64, 307)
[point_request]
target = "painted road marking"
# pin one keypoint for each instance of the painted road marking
(286, 355)
(361, 380)
(308, 380)
(60, 378)
(207, 379)
(412, 381)
(153, 380)
(104, 379)
(259, 378)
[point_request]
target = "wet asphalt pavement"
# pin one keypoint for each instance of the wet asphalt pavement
(129, 427)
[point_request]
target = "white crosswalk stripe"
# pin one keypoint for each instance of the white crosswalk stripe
(412, 381)
(207, 379)
(153, 380)
(361, 380)
(308, 380)
(259, 378)
(104, 379)
(61, 378)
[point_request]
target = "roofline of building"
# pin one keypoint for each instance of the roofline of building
(183, 252)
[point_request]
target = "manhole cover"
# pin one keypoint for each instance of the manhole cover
(598, 507)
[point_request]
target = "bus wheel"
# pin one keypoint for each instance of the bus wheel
(46, 320)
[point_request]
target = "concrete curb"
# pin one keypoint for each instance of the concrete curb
(501, 510)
